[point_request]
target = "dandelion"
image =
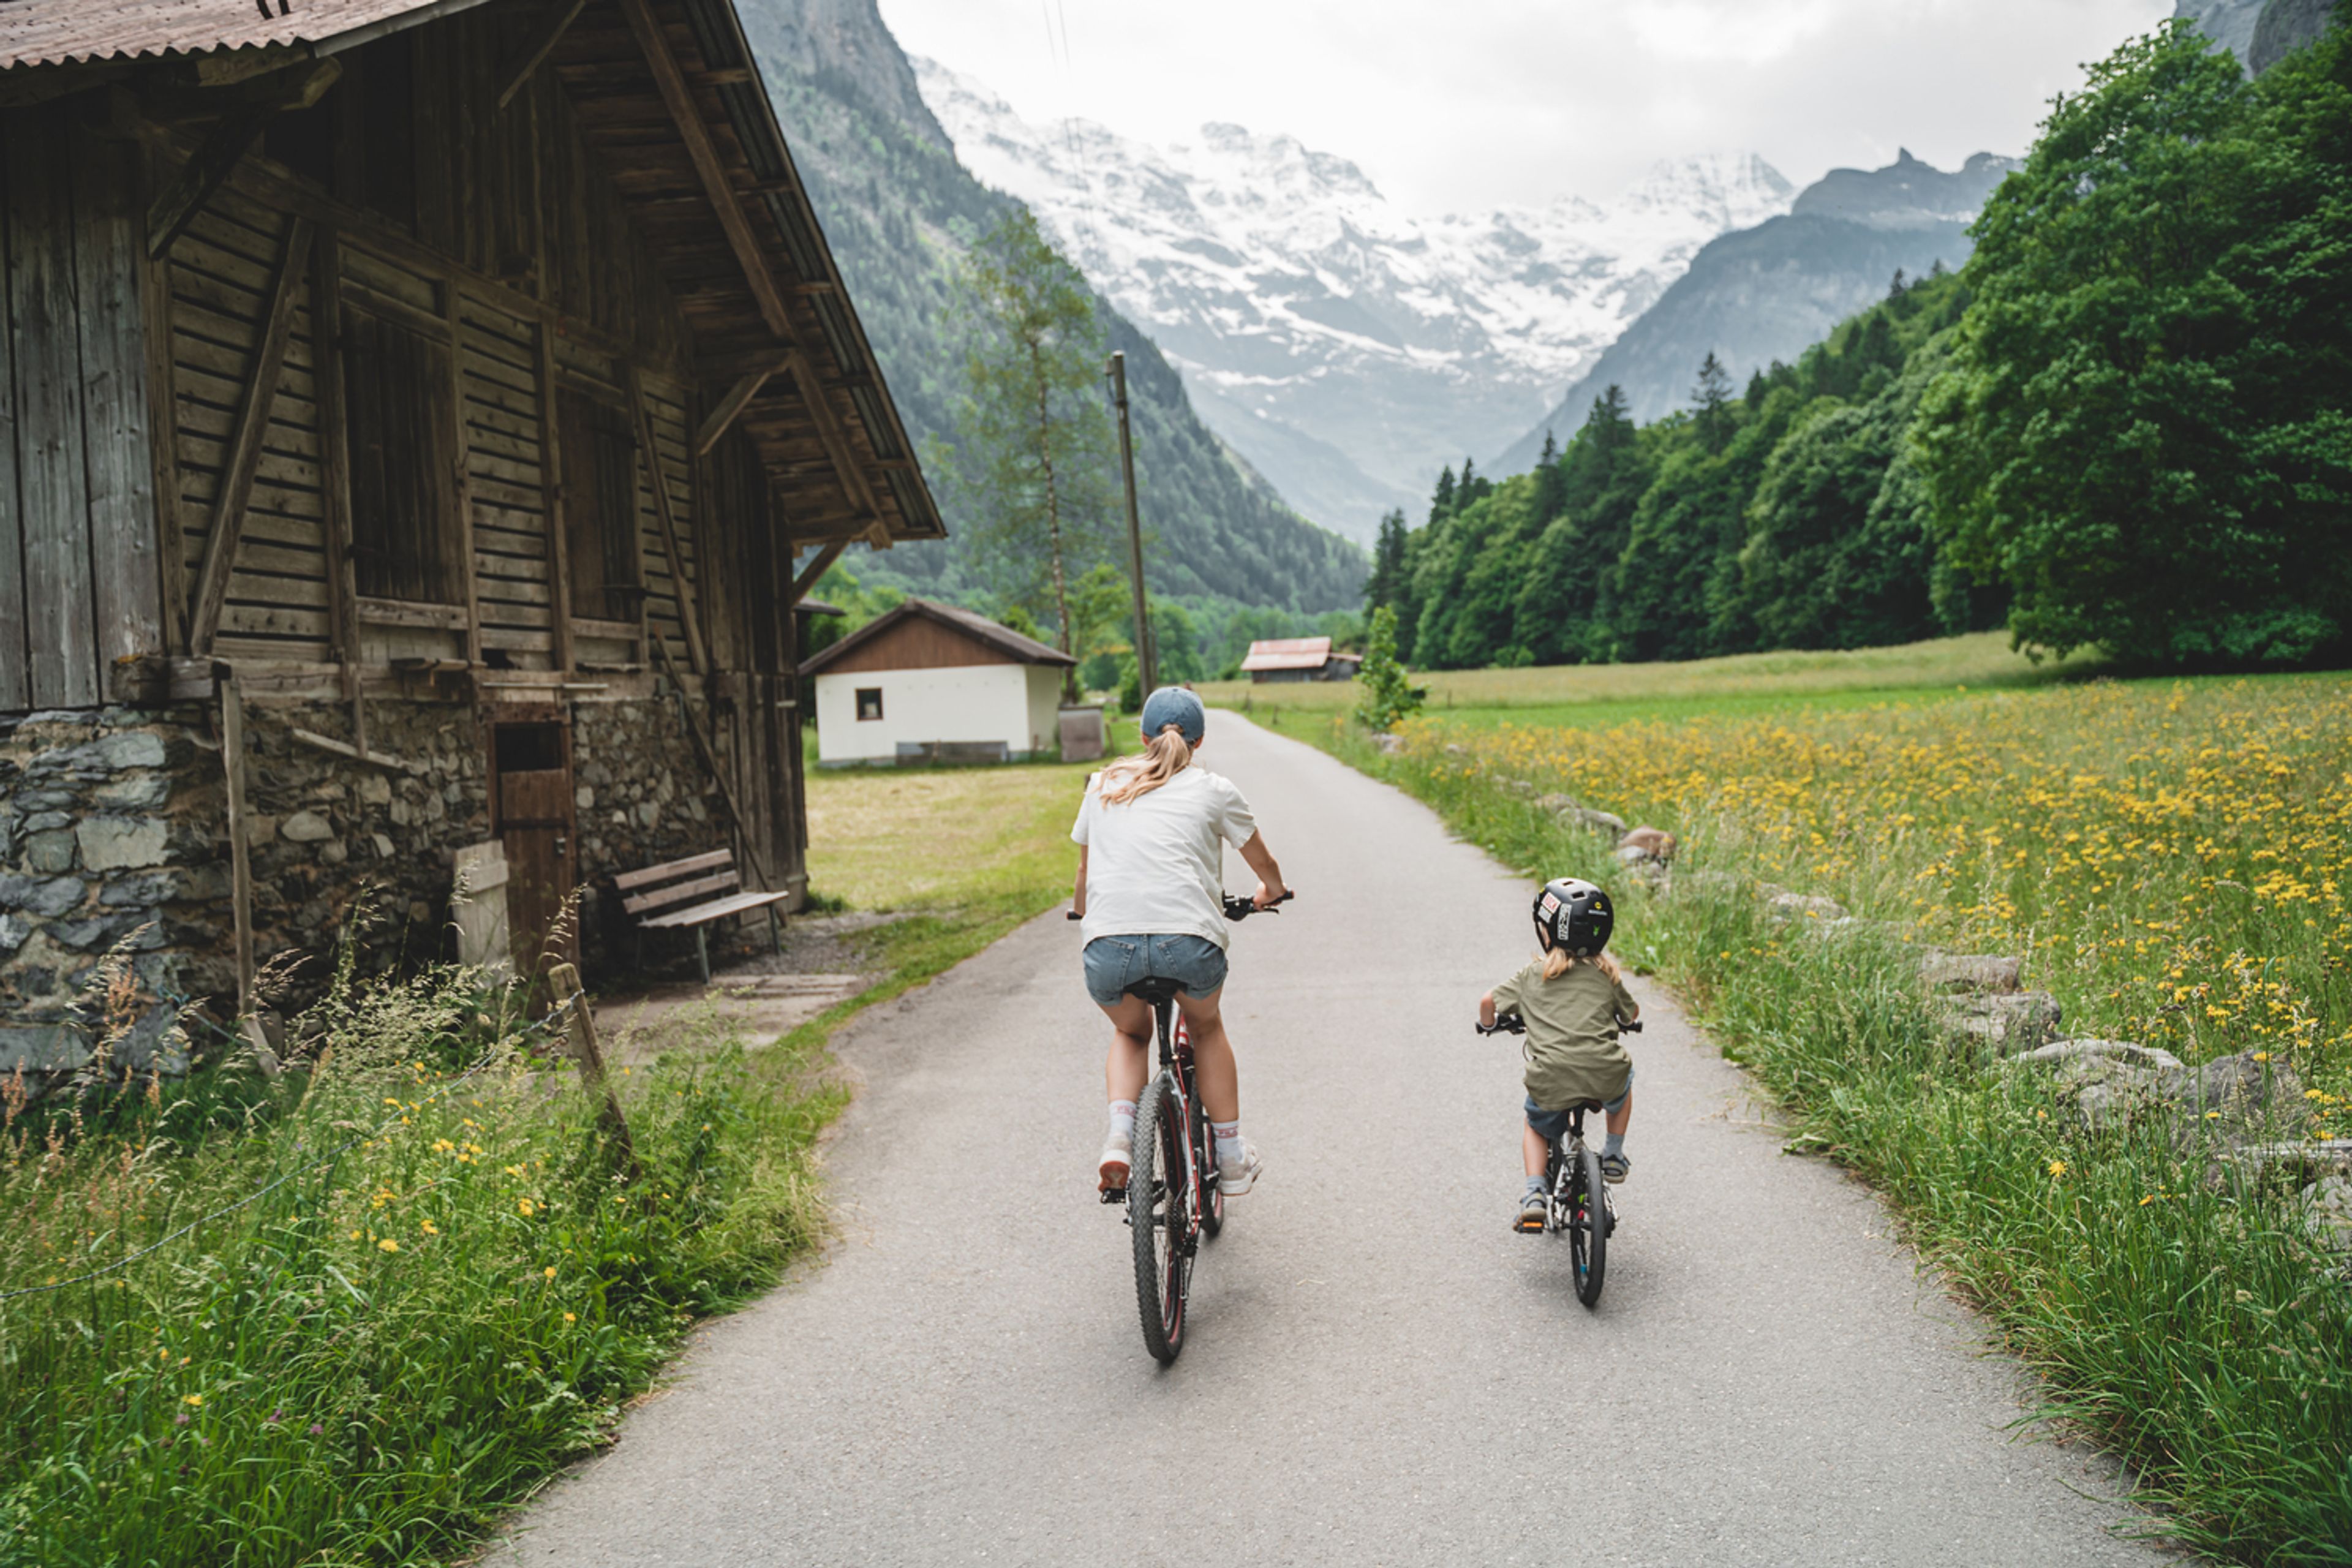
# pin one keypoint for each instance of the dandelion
(2057, 1167)
(387, 1244)
(548, 1272)
(2148, 1200)
(571, 1317)
(192, 1400)
(432, 1229)
(525, 1207)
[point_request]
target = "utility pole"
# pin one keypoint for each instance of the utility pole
(1146, 658)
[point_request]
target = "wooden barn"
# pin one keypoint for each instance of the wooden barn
(419, 422)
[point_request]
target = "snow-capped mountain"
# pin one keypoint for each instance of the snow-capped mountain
(1345, 348)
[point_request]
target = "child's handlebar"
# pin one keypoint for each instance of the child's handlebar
(1512, 1024)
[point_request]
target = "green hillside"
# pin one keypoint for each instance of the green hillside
(898, 208)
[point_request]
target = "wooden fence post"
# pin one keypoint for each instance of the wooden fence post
(581, 1025)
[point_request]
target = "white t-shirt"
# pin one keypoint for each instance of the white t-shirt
(1155, 864)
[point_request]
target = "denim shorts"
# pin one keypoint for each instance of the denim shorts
(1115, 963)
(1551, 1124)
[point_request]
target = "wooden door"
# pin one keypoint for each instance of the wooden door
(531, 775)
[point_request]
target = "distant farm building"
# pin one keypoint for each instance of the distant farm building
(929, 682)
(1298, 659)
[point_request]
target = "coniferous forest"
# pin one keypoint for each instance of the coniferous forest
(2125, 424)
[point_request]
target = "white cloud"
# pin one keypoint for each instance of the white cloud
(1452, 105)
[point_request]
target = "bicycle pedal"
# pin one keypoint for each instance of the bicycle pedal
(1114, 1194)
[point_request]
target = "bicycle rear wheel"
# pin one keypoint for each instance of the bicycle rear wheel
(1161, 1215)
(1588, 1224)
(1205, 1160)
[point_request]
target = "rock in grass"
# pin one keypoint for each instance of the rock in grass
(1966, 971)
(2239, 1090)
(1387, 744)
(1607, 822)
(2329, 1217)
(1555, 803)
(2018, 1021)
(1707, 884)
(1788, 906)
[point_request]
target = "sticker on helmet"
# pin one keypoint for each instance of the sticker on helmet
(1550, 905)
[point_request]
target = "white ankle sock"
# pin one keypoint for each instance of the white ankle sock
(1229, 1141)
(1122, 1122)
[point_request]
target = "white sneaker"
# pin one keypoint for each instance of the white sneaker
(1234, 1180)
(1118, 1158)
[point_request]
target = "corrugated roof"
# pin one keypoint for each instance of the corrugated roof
(1288, 653)
(980, 628)
(55, 32)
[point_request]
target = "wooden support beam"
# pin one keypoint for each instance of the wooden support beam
(335, 448)
(222, 150)
(552, 493)
(814, 570)
(836, 441)
(708, 164)
(710, 755)
(695, 652)
(244, 442)
(559, 15)
(739, 397)
(240, 858)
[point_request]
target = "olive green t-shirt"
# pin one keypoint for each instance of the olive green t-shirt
(1571, 1046)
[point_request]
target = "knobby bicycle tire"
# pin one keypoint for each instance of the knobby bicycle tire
(1588, 1234)
(1159, 1211)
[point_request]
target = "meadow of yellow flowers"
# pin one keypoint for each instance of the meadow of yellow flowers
(2170, 858)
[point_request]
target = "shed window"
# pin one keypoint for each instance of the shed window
(405, 539)
(600, 508)
(869, 702)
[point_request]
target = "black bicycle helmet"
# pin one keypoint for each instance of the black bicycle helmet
(1573, 914)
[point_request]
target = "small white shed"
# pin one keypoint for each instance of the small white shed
(929, 682)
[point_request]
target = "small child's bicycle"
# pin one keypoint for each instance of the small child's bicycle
(1579, 1207)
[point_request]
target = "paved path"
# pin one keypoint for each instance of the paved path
(1378, 1371)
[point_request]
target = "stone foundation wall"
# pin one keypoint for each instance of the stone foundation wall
(113, 825)
(108, 830)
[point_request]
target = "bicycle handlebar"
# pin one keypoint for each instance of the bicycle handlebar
(1512, 1024)
(1235, 909)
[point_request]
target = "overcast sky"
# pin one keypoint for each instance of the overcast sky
(1460, 105)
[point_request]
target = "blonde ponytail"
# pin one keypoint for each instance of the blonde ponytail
(1162, 758)
(1560, 961)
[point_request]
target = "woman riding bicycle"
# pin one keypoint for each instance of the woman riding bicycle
(1151, 835)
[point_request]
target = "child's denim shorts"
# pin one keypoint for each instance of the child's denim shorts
(1115, 963)
(1554, 1124)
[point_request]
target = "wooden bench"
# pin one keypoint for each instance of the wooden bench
(691, 894)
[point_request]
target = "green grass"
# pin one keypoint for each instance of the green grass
(1616, 693)
(2171, 858)
(451, 1289)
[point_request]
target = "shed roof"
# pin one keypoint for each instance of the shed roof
(979, 630)
(1288, 653)
(668, 92)
(42, 32)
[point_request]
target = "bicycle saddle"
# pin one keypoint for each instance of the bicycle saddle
(1155, 990)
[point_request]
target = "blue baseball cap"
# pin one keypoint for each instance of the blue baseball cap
(1174, 705)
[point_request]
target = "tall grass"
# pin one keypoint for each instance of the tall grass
(2173, 1298)
(439, 1284)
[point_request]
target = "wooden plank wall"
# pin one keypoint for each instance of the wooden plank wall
(515, 196)
(219, 277)
(80, 584)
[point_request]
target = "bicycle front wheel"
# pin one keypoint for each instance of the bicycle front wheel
(1161, 1217)
(1588, 1224)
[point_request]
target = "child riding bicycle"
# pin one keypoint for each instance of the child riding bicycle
(1573, 999)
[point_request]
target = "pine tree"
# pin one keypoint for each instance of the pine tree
(1032, 455)
(1551, 492)
(1713, 397)
(1441, 500)
(1386, 585)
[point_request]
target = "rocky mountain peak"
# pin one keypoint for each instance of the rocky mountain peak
(1344, 346)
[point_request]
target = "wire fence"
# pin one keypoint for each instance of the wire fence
(554, 1016)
